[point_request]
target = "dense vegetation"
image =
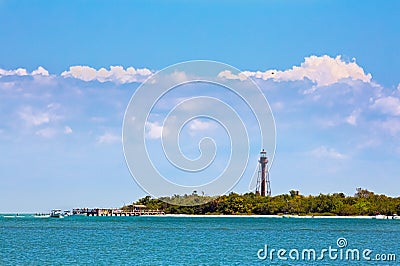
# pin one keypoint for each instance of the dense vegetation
(363, 202)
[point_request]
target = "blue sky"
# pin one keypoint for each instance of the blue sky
(335, 97)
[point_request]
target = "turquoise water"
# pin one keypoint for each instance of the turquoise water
(190, 240)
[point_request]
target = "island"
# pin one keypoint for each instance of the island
(362, 203)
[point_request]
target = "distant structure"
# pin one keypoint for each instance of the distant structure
(263, 187)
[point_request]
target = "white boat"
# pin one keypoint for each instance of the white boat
(56, 214)
(379, 217)
(395, 217)
(386, 217)
(41, 215)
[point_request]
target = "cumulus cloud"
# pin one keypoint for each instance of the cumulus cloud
(178, 76)
(321, 70)
(116, 74)
(196, 125)
(226, 74)
(40, 71)
(153, 130)
(325, 152)
(107, 138)
(388, 105)
(23, 72)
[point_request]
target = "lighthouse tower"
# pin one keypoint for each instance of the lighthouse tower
(263, 185)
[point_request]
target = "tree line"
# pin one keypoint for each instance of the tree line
(364, 202)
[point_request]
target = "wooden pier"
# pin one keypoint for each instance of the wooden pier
(137, 210)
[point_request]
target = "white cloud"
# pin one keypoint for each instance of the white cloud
(83, 72)
(172, 78)
(116, 74)
(16, 72)
(50, 132)
(325, 152)
(108, 138)
(23, 72)
(353, 117)
(325, 70)
(352, 120)
(40, 71)
(387, 105)
(36, 118)
(178, 76)
(227, 74)
(32, 118)
(196, 125)
(153, 130)
(322, 70)
(67, 130)
(277, 106)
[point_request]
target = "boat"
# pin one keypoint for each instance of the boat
(386, 217)
(379, 217)
(41, 215)
(56, 214)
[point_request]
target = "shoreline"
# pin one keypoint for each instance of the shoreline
(268, 216)
(285, 216)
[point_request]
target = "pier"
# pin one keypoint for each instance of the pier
(137, 210)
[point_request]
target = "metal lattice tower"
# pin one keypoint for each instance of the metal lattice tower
(263, 187)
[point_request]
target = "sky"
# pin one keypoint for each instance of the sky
(329, 70)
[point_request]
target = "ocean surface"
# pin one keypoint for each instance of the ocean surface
(165, 240)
